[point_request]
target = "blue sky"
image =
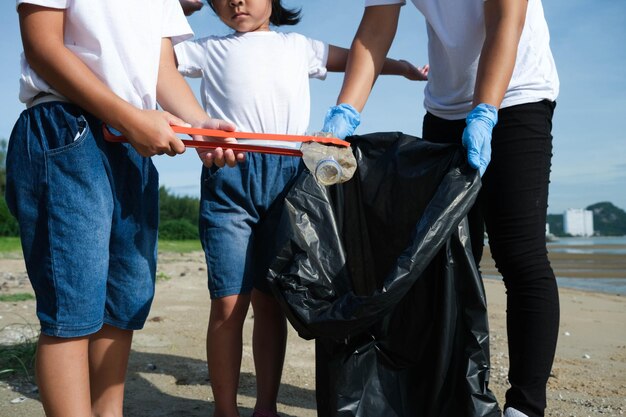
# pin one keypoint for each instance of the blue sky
(587, 39)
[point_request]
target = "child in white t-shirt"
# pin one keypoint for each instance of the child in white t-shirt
(87, 208)
(257, 79)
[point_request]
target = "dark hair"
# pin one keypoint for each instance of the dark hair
(280, 15)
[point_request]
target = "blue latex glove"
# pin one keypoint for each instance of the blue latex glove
(477, 135)
(341, 120)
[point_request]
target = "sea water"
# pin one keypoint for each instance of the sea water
(590, 245)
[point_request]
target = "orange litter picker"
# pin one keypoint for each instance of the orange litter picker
(330, 164)
(111, 137)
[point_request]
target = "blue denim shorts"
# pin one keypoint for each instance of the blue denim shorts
(239, 212)
(88, 216)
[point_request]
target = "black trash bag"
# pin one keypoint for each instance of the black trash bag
(379, 270)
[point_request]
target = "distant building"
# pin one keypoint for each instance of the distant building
(578, 222)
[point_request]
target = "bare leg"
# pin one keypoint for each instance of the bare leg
(108, 360)
(62, 371)
(224, 346)
(269, 341)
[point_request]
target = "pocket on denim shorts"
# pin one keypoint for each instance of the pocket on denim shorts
(71, 134)
(74, 161)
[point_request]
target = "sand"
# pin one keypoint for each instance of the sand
(167, 373)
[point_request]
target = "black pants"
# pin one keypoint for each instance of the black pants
(512, 204)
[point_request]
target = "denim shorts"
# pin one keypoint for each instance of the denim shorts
(239, 212)
(88, 216)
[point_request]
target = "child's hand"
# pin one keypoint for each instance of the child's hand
(149, 132)
(219, 156)
(191, 6)
(414, 73)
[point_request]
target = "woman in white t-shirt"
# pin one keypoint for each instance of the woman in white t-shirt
(257, 79)
(490, 62)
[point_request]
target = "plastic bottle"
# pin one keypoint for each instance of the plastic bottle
(328, 171)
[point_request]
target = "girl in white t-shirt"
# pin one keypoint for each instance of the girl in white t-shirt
(257, 79)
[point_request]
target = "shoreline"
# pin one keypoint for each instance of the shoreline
(602, 271)
(592, 285)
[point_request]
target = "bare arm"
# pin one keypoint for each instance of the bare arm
(338, 58)
(173, 92)
(175, 96)
(504, 22)
(367, 53)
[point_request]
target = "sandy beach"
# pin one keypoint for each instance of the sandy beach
(167, 374)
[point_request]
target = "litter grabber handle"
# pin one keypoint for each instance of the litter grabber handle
(111, 137)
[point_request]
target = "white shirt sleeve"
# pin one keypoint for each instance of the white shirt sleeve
(175, 24)
(318, 58)
(54, 4)
(383, 2)
(190, 55)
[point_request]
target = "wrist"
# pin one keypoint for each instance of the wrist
(351, 114)
(126, 118)
(199, 121)
(406, 68)
(485, 112)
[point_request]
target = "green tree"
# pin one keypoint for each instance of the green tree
(179, 229)
(556, 224)
(178, 216)
(3, 167)
(608, 220)
(8, 224)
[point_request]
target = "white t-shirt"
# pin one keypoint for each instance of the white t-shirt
(257, 80)
(119, 40)
(456, 32)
